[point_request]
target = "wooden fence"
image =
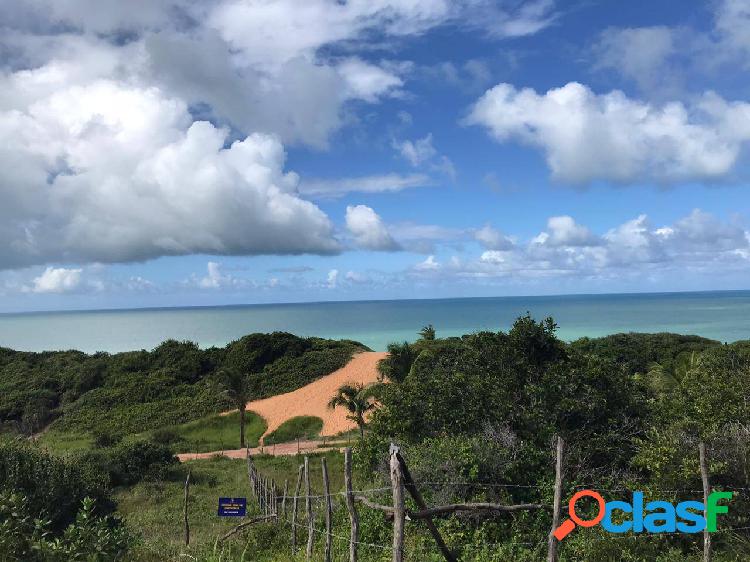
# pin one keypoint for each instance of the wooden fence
(276, 505)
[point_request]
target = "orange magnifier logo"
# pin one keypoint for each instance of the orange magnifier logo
(569, 524)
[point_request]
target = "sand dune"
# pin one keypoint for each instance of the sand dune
(312, 400)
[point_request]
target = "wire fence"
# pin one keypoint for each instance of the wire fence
(270, 498)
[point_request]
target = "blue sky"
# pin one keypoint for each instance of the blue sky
(241, 151)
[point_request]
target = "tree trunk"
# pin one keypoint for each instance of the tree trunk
(361, 424)
(242, 426)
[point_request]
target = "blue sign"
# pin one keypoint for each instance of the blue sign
(232, 507)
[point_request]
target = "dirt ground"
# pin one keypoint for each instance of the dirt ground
(312, 400)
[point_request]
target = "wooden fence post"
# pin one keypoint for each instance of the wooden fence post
(353, 515)
(329, 510)
(411, 487)
(294, 508)
(309, 510)
(552, 541)
(399, 511)
(706, 493)
(283, 499)
(187, 524)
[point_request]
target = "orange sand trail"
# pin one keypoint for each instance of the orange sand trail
(312, 400)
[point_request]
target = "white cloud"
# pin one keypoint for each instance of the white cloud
(493, 239)
(429, 264)
(699, 242)
(640, 54)
(214, 279)
(332, 279)
(564, 231)
(109, 173)
(368, 229)
(421, 152)
(57, 280)
(367, 81)
(416, 152)
(587, 136)
(384, 183)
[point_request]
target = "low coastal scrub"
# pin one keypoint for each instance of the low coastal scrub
(138, 391)
(475, 418)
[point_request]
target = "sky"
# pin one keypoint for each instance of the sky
(185, 152)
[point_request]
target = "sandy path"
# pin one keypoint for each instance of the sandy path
(312, 400)
(281, 449)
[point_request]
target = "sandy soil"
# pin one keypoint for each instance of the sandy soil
(312, 400)
(276, 450)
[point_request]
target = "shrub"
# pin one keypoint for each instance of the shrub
(129, 463)
(53, 486)
(24, 538)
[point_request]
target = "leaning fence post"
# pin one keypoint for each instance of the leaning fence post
(411, 487)
(187, 524)
(329, 510)
(399, 511)
(294, 508)
(353, 515)
(706, 493)
(552, 541)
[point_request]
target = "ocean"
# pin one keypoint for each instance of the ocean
(724, 316)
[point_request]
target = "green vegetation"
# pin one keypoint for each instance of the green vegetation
(139, 391)
(474, 416)
(155, 508)
(300, 427)
(213, 433)
(358, 400)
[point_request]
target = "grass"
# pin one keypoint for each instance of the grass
(212, 433)
(216, 433)
(155, 509)
(302, 427)
(63, 442)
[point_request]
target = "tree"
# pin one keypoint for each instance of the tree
(238, 388)
(358, 399)
(427, 333)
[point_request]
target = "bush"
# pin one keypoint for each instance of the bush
(104, 439)
(129, 463)
(25, 538)
(52, 486)
(165, 436)
(302, 427)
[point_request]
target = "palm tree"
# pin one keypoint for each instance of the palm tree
(358, 399)
(238, 389)
(663, 380)
(427, 333)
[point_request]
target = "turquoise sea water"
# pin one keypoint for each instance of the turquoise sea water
(723, 316)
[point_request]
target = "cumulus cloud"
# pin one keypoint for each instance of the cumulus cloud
(332, 279)
(57, 280)
(108, 172)
(214, 278)
(698, 242)
(493, 239)
(564, 231)
(587, 136)
(368, 229)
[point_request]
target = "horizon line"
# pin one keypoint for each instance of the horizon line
(297, 303)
